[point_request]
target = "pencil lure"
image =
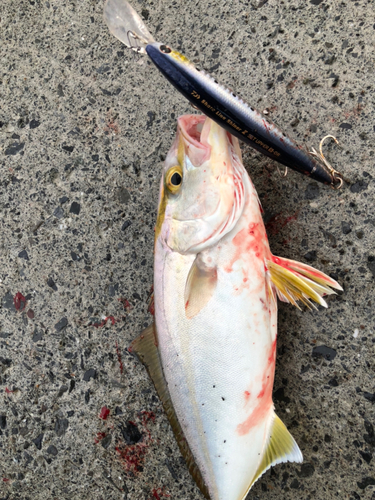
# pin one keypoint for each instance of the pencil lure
(212, 351)
(216, 101)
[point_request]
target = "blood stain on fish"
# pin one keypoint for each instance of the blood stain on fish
(151, 307)
(264, 396)
(264, 305)
(247, 395)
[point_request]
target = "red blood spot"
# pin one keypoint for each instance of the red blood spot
(248, 240)
(155, 494)
(104, 322)
(247, 396)
(113, 321)
(147, 416)
(132, 456)
(276, 223)
(8, 391)
(30, 314)
(261, 394)
(264, 397)
(119, 358)
(158, 493)
(99, 437)
(19, 301)
(104, 413)
(264, 306)
(151, 307)
(126, 303)
(272, 357)
(266, 125)
(6, 479)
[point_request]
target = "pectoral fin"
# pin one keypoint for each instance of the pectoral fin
(200, 286)
(296, 281)
(145, 347)
(281, 448)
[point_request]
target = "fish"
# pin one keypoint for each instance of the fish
(211, 352)
(216, 285)
(215, 100)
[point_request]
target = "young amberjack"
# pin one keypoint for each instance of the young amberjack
(212, 351)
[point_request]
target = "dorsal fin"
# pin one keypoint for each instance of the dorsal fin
(145, 347)
(280, 448)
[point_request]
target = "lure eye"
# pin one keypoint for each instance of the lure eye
(173, 179)
(165, 49)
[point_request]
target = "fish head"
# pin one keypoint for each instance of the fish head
(201, 190)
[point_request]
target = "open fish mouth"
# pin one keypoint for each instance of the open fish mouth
(194, 130)
(191, 127)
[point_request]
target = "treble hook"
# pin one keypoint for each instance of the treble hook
(282, 174)
(136, 47)
(335, 174)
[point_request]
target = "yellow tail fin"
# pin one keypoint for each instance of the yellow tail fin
(281, 448)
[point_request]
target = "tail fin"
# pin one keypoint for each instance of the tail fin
(281, 448)
(295, 281)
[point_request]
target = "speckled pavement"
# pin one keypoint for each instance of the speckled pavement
(84, 128)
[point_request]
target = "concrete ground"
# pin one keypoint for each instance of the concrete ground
(84, 128)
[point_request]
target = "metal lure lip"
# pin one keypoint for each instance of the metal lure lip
(236, 116)
(125, 24)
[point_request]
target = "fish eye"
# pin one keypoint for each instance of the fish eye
(173, 179)
(165, 49)
(176, 179)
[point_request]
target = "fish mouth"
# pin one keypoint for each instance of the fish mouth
(194, 130)
(191, 128)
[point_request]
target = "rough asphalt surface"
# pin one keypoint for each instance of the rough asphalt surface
(84, 128)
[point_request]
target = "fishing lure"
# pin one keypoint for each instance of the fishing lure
(216, 101)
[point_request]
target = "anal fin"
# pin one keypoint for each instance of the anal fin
(145, 347)
(296, 281)
(281, 448)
